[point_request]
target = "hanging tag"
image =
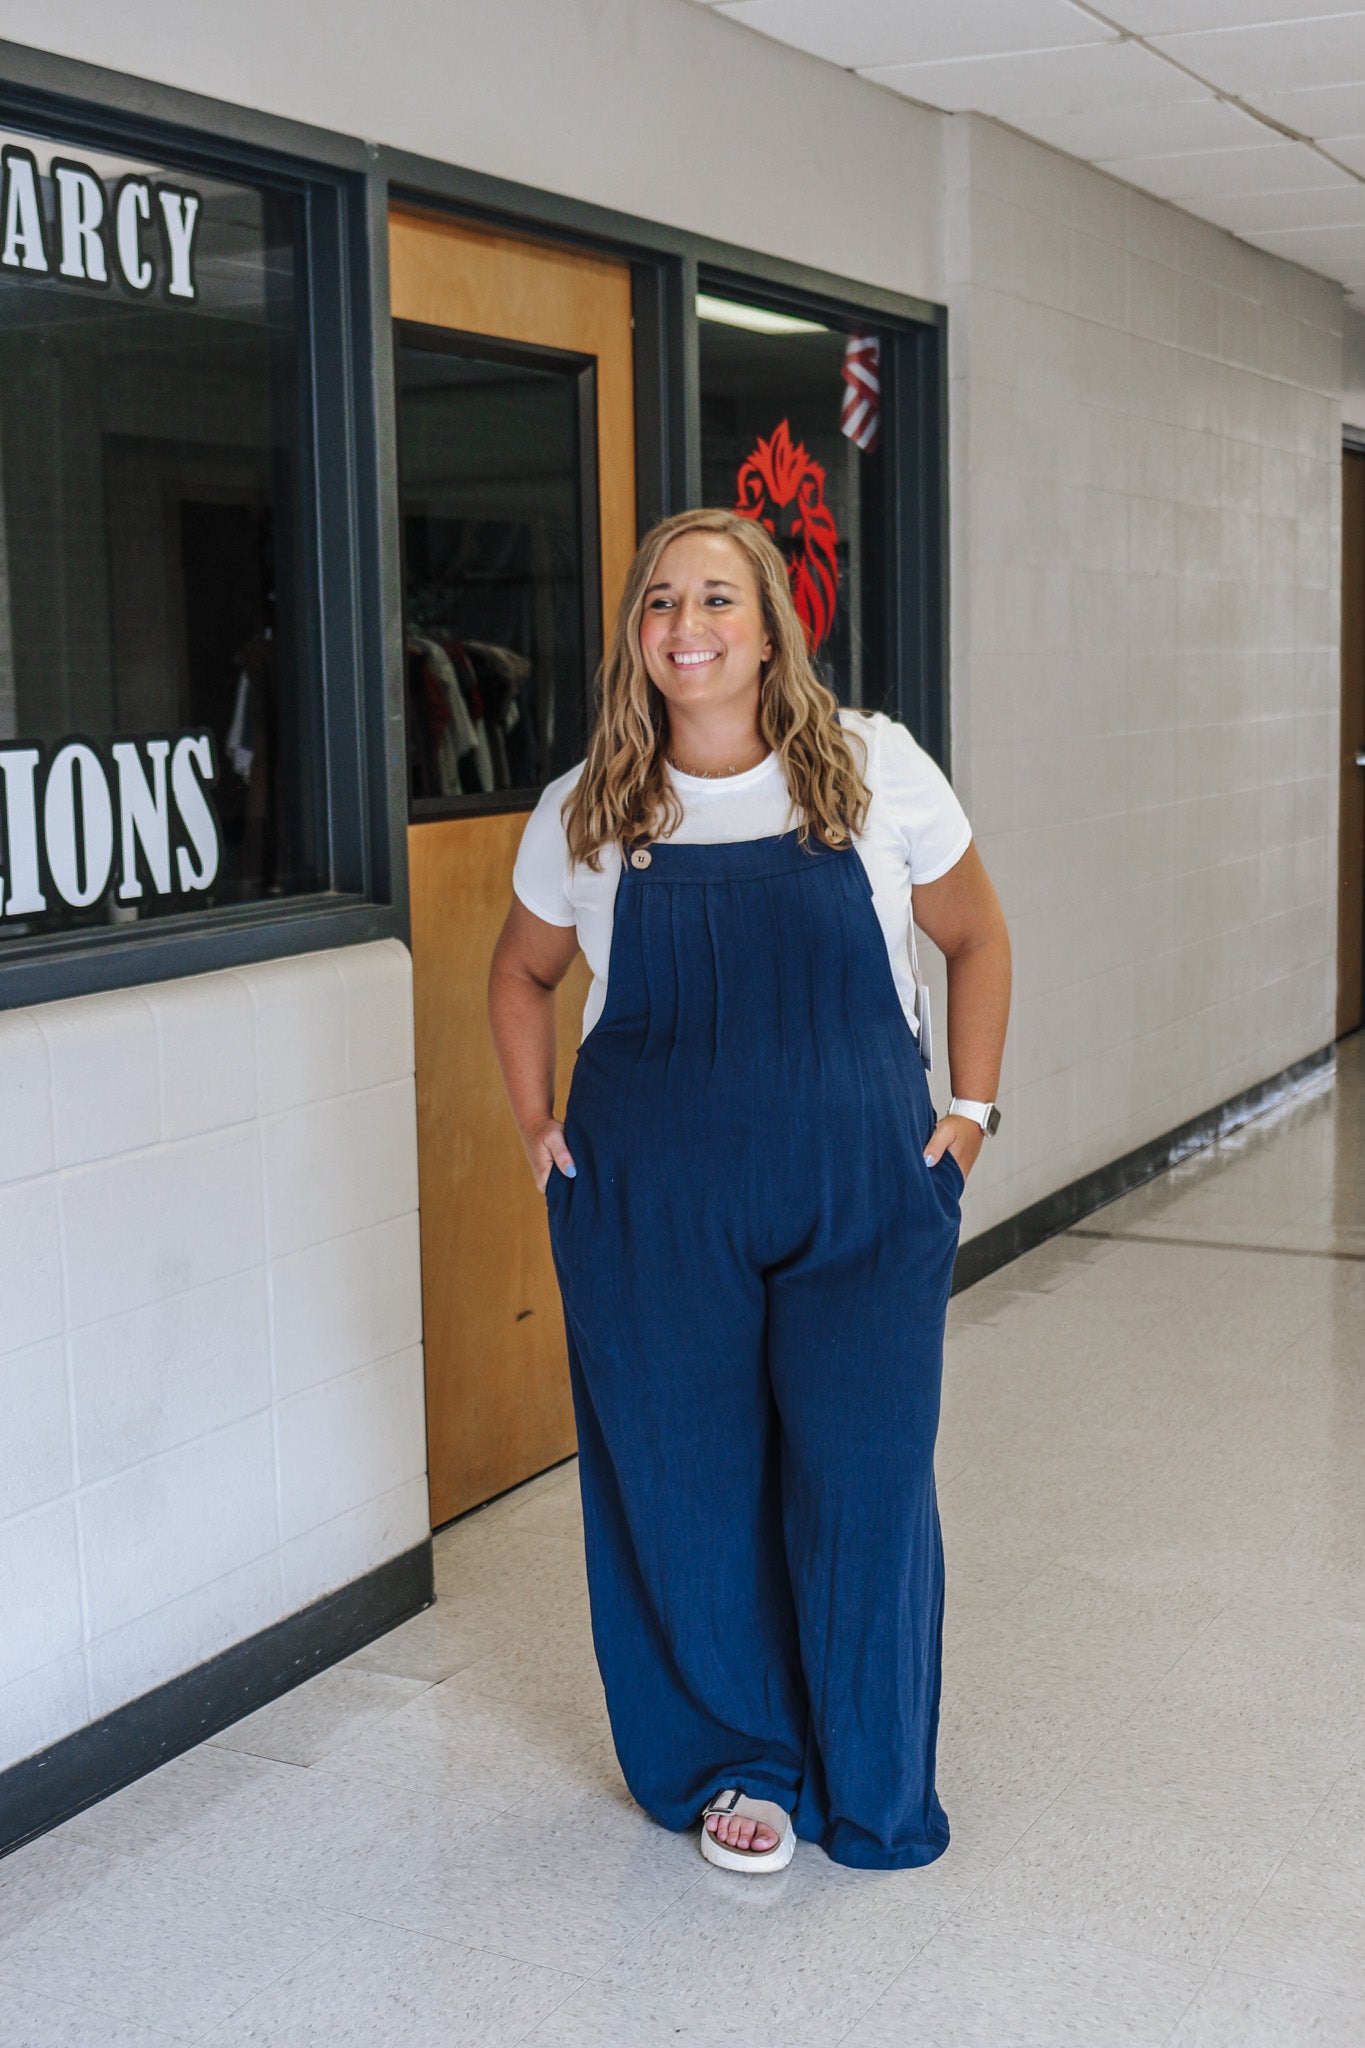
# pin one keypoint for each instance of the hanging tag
(926, 1035)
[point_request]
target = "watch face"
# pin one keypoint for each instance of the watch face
(992, 1122)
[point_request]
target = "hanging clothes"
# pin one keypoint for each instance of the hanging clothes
(458, 755)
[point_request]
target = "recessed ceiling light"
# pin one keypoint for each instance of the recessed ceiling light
(758, 319)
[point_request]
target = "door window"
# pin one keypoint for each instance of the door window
(495, 450)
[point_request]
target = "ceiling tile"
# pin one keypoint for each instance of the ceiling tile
(1171, 17)
(1221, 173)
(1279, 57)
(1338, 252)
(859, 33)
(1321, 113)
(1267, 212)
(1348, 150)
(1148, 131)
(1042, 82)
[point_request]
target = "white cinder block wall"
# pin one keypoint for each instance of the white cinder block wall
(210, 1320)
(1145, 426)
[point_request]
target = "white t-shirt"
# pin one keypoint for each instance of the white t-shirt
(916, 830)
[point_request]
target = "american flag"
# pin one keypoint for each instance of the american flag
(862, 410)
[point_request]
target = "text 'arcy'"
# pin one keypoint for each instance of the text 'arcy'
(88, 236)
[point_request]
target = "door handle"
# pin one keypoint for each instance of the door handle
(1360, 760)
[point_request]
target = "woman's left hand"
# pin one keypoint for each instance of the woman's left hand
(958, 1135)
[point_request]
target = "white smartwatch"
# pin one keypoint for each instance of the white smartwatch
(984, 1113)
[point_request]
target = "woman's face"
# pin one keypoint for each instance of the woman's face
(702, 633)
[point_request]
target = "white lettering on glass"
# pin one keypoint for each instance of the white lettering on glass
(80, 210)
(18, 772)
(148, 800)
(180, 212)
(25, 246)
(194, 752)
(131, 208)
(77, 790)
(144, 816)
(80, 231)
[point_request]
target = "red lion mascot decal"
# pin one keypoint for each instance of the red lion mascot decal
(783, 488)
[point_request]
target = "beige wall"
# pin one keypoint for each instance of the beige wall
(1146, 426)
(653, 106)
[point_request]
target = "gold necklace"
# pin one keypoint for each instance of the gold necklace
(714, 774)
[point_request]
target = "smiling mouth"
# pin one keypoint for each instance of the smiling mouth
(692, 660)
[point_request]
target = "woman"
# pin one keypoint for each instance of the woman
(752, 1209)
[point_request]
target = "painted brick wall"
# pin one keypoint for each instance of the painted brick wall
(210, 1320)
(1146, 454)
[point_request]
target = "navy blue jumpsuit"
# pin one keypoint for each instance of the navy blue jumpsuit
(755, 1262)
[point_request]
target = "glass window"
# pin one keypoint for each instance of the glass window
(793, 435)
(160, 743)
(490, 455)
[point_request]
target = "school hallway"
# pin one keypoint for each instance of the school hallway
(1152, 1749)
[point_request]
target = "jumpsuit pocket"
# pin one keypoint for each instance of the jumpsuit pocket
(959, 1180)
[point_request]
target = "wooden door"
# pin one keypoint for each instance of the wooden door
(498, 1406)
(1351, 842)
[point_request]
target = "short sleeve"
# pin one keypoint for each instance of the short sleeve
(921, 803)
(541, 874)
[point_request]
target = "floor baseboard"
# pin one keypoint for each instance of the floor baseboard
(996, 1247)
(42, 1790)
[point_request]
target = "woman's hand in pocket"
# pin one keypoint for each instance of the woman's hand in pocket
(958, 1135)
(546, 1147)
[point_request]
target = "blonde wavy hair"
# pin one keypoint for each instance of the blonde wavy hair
(623, 794)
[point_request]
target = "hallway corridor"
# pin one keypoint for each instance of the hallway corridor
(1152, 1754)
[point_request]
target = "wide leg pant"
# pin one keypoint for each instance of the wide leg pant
(755, 1263)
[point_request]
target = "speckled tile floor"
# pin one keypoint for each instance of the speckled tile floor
(1152, 1479)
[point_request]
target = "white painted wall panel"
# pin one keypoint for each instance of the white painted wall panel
(179, 1521)
(212, 1616)
(206, 1044)
(346, 1301)
(161, 1221)
(35, 1464)
(87, 1043)
(172, 1371)
(312, 1190)
(27, 1145)
(300, 1032)
(325, 1557)
(348, 1439)
(31, 1268)
(40, 1594)
(378, 995)
(200, 1438)
(40, 1707)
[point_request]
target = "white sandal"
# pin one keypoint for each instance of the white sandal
(764, 1810)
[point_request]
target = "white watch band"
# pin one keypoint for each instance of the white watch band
(979, 1112)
